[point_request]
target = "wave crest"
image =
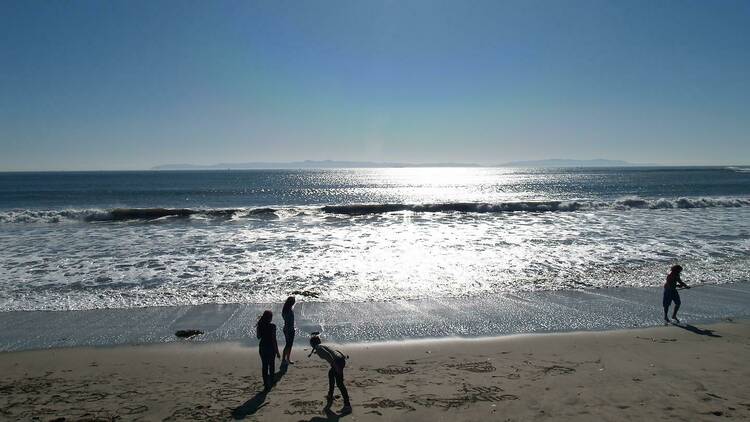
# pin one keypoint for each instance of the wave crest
(150, 214)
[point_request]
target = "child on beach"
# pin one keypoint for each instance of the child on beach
(671, 294)
(288, 314)
(337, 360)
(267, 347)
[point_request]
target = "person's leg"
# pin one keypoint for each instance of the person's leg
(331, 382)
(289, 345)
(271, 369)
(342, 388)
(265, 370)
(677, 303)
(286, 355)
(666, 300)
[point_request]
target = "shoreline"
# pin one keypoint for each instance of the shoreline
(501, 315)
(695, 372)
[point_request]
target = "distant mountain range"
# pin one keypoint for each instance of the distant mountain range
(307, 164)
(310, 164)
(559, 162)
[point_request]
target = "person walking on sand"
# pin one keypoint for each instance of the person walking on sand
(671, 294)
(267, 347)
(337, 360)
(288, 314)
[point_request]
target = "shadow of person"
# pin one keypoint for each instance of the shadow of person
(282, 371)
(696, 330)
(330, 416)
(251, 406)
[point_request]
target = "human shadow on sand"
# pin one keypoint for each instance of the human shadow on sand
(252, 406)
(330, 416)
(696, 330)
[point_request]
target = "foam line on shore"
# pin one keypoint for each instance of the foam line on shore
(529, 312)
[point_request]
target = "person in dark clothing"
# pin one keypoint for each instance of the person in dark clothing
(267, 347)
(337, 360)
(288, 314)
(671, 294)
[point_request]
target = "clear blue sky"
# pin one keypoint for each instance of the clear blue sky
(132, 84)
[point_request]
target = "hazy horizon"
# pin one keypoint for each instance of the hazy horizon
(133, 85)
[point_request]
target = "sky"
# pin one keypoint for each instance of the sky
(106, 85)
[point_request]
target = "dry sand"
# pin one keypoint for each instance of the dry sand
(649, 374)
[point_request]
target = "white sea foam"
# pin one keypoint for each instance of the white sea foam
(401, 254)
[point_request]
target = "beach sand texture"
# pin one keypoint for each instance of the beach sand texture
(664, 373)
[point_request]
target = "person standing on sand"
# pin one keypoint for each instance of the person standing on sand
(671, 294)
(267, 347)
(288, 314)
(337, 360)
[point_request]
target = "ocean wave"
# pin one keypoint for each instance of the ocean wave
(465, 207)
(168, 214)
(739, 169)
(113, 215)
(539, 206)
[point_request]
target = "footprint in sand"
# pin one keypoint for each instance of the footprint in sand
(657, 340)
(383, 403)
(394, 370)
(305, 407)
(487, 394)
(478, 367)
(557, 370)
(198, 413)
(227, 394)
(367, 382)
(133, 410)
(473, 395)
(127, 395)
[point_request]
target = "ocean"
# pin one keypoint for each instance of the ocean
(372, 254)
(97, 240)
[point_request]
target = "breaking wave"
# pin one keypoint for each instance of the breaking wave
(150, 214)
(539, 206)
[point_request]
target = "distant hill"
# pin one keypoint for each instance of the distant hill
(558, 162)
(328, 164)
(308, 164)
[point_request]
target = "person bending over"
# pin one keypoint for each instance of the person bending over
(337, 360)
(671, 294)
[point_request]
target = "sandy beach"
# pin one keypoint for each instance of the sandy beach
(683, 373)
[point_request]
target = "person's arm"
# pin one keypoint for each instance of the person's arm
(276, 344)
(682, 283)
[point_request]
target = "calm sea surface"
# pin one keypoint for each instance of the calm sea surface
(132, 239)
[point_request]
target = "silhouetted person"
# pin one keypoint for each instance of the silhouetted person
(337, 360)
(670, 292)
(288, 314)
(267, 347)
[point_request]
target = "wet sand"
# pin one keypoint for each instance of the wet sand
(696, 372)
(356, 322)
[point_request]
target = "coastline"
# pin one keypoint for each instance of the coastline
(695, 372)
(486, 316)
